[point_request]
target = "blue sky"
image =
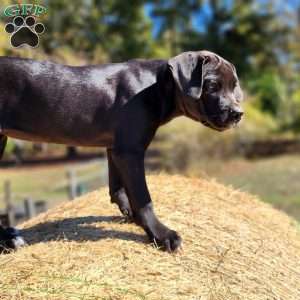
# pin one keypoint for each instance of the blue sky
(200, 17)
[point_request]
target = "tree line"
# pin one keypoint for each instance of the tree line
(262, 38)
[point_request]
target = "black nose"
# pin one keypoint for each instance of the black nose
(236, 115)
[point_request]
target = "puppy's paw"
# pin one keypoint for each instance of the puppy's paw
(10, 240)
(125, 209)
(169, 241)
(121, 199)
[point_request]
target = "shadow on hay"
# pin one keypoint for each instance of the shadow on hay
(79, 229)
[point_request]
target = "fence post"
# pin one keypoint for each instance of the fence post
(9, 206)
(40, 206)
(72, 186)
(29, 208)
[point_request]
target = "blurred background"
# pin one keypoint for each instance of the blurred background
(260, 37)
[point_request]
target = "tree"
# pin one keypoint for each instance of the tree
(175, 17)
(109, 27)
(247, 32)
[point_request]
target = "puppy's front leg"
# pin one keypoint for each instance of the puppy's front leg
(116, 188)
(131, 168)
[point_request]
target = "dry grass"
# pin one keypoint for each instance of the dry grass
(235, 247)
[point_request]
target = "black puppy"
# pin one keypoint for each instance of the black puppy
(120, 107)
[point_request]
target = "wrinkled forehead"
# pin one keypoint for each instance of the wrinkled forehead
(220, 69)
(227, 71)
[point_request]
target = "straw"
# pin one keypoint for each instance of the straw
(234, 247)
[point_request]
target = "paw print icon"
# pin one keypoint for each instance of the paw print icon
(24, 31)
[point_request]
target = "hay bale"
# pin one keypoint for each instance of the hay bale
(235, 247)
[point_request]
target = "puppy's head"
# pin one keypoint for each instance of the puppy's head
(208, 88)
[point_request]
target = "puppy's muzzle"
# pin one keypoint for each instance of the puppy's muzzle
(235, 115)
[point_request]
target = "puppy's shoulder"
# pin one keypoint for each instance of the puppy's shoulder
(151, 65)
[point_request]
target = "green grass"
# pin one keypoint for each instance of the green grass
(45, 182)
(274, 180)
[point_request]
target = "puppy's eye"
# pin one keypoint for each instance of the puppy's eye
(212, 86)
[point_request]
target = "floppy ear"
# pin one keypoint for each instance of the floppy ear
(165, 79)
(187, 70)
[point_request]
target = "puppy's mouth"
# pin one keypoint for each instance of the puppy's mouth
(214, 127)
(222, 121)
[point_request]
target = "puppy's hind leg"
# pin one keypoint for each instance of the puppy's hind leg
(9, 237)
(116, 189)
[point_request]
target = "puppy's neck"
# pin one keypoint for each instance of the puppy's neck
(169, 108)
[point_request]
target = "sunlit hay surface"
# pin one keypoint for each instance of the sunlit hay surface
(235, 247)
